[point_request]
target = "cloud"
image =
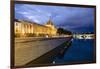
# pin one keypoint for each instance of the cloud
(73, 18)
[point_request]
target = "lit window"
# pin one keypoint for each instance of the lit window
(16, 30)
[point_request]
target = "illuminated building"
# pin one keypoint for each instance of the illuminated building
(25, 28)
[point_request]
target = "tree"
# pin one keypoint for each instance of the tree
(63, 31)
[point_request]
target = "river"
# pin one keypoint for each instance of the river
(80, 50)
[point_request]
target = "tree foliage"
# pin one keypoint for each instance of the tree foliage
(63, 31)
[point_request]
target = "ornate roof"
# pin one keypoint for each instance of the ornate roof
(49, 23)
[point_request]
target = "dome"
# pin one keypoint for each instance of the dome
(49, 23)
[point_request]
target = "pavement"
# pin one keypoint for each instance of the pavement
(28, 49)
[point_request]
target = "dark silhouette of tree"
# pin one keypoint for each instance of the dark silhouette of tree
(63, 31)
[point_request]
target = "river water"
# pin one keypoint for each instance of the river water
(80, 50)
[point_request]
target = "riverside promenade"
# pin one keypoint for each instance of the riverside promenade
(30, 48)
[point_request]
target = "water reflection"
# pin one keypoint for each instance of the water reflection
(78, 50)
(62, 52)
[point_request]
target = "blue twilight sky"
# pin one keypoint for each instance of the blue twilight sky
(75, 19)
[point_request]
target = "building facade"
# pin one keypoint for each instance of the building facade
(25, 28)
